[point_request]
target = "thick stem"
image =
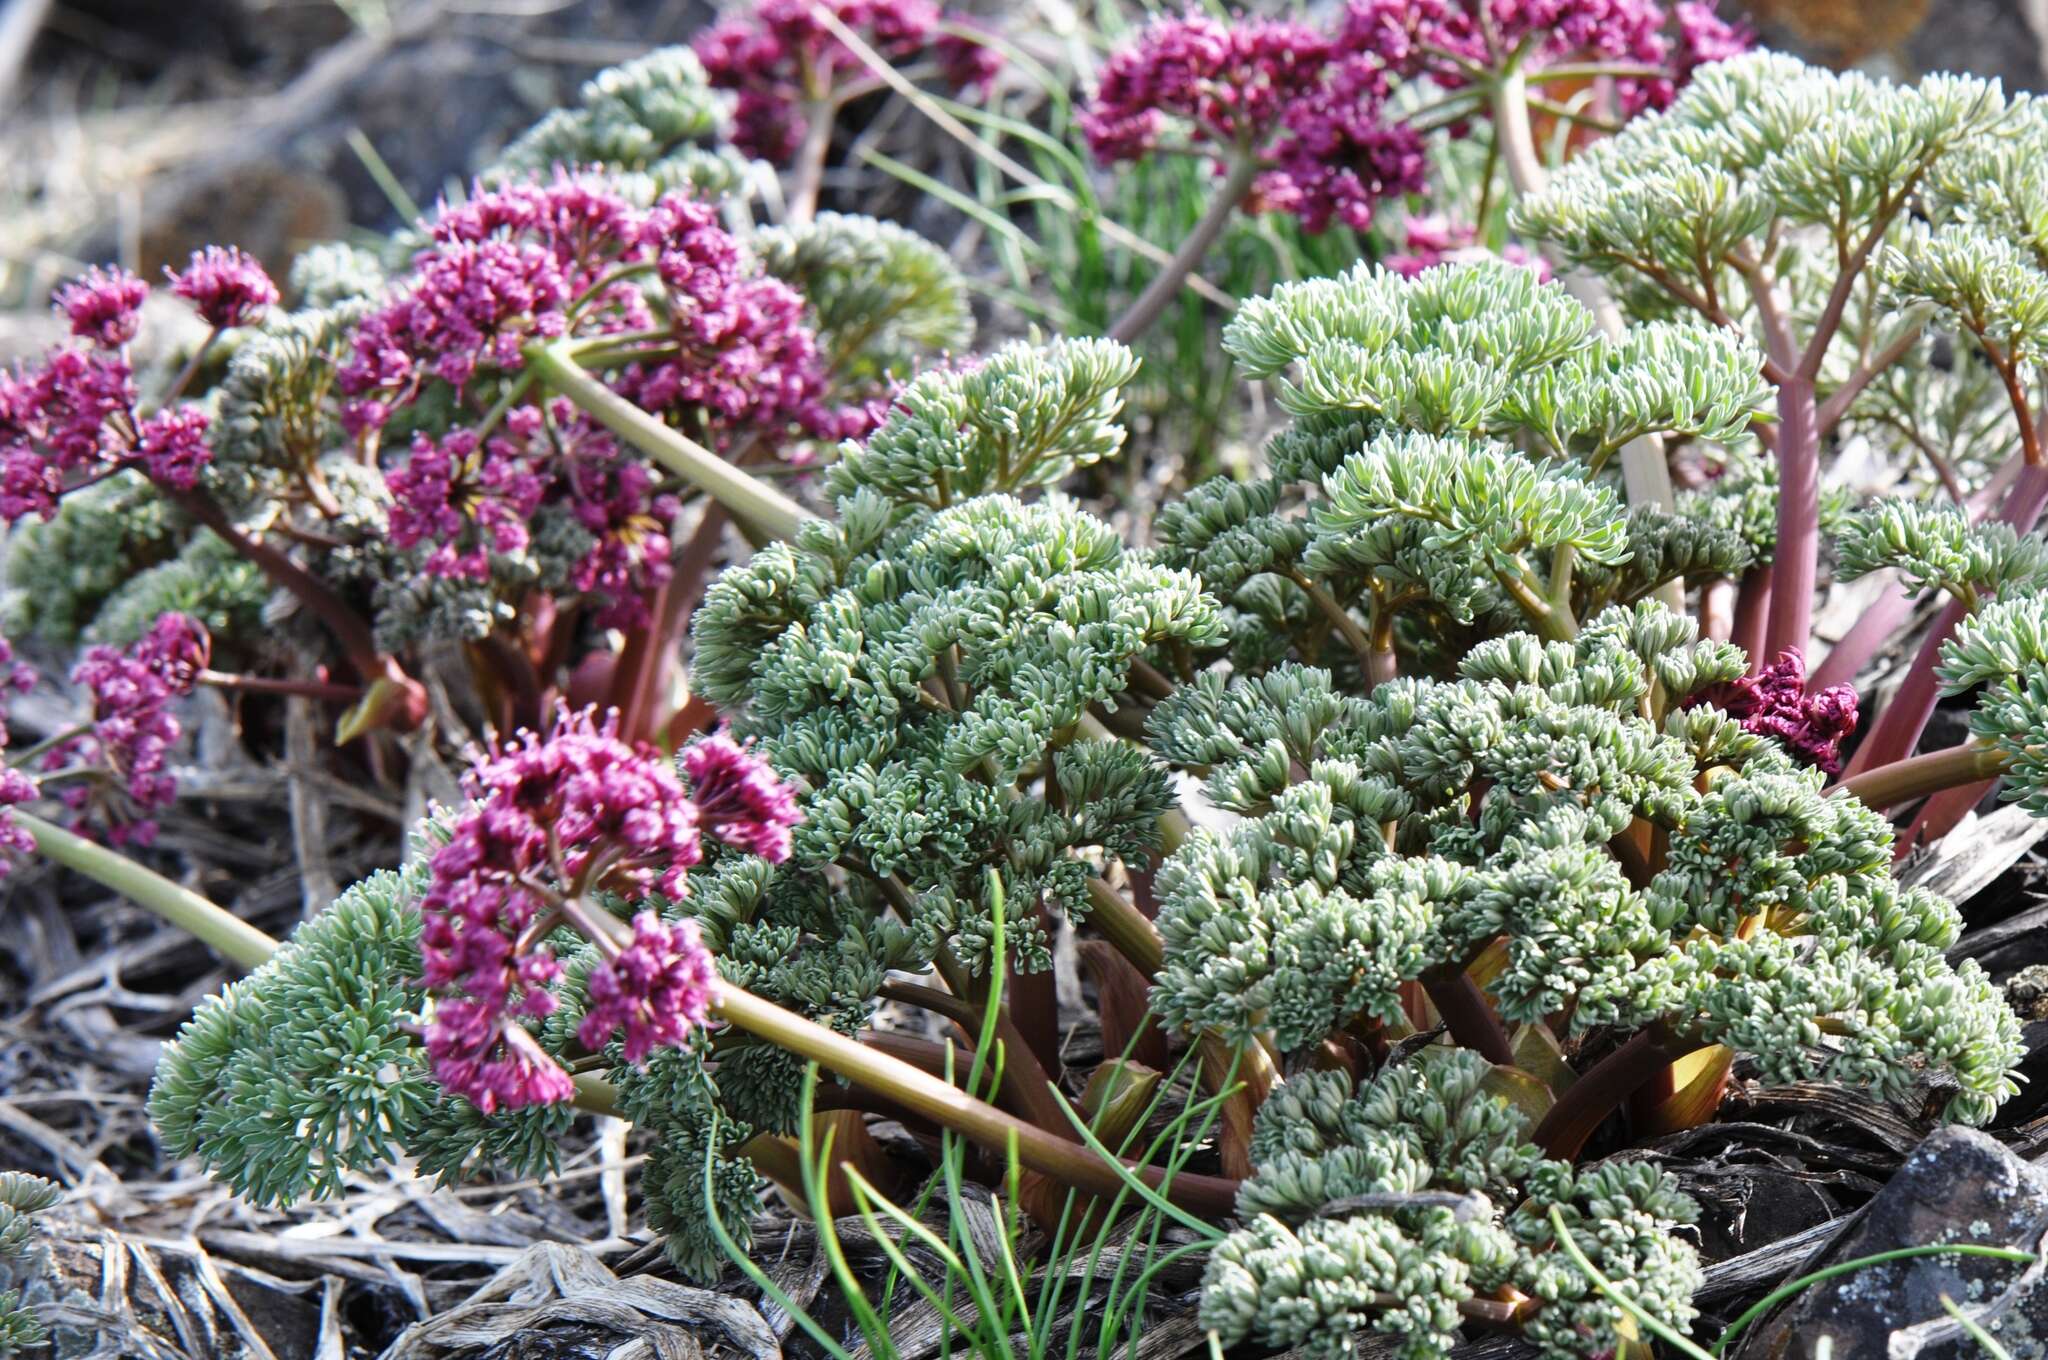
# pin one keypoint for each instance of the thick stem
(261, 684)
(1470, 1017)
(648, 659)
(1382, 663)
(752, 502)
(1166, 284)
(1124, 926)
(807, 172)
(1752, 612)
(1564, 1131)
(229, 935)
(976, 1120)
(1943, 813)
(1902, 781)
(1897, 730)
(1027, 1086)
(1795, 560)
(1340, 619)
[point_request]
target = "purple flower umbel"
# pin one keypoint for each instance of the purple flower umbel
(552, 820)
(740, 798)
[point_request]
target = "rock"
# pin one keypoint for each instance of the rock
(1957, 1186)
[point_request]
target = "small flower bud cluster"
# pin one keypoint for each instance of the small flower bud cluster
(113, 772)
(779, 57)
(553, 819)
(227, 287)
(103, 306)
(1775, 702)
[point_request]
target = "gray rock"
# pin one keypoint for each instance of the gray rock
(1957, 1186)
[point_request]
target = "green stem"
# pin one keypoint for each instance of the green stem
(229, 935)
(1124, 926)
(1904, 780)
(947, 1105)
(752, 502)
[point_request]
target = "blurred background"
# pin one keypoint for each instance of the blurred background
(140, 129)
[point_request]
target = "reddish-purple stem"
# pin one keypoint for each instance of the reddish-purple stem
(1752, 609)
(1564, 1131)
(1898, 728)
(1795, 560)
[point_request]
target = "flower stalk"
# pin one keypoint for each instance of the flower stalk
(752, 502)
(229, 935)
(1241, 169)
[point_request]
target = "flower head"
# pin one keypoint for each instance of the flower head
(740, 798)
(1307, 103)
(103, 306)
(658, 989)
(54, 425)
(781, 58)
(227, 287)
(1313, 105)
(1776, 703)
(551, 818)
(126, 751)
(172, 446)
(470, 498)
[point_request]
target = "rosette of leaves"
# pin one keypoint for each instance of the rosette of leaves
(655, 115)
(1403, 837)
(1402, 1206)
(1413, 401)
(921, 667)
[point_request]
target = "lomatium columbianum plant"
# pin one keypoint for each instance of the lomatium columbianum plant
(1462, 807)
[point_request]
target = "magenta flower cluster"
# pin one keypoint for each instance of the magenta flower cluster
(61, 423)
(1440, 38)
(1435, 239)
(114, 773)
(72, 418)
(658, 989)
(781, 60)
(104, 306)
(739, 797)
(571, 258)
(552, 819)
(1775, 702)
(225, 286)
(1312, 106)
